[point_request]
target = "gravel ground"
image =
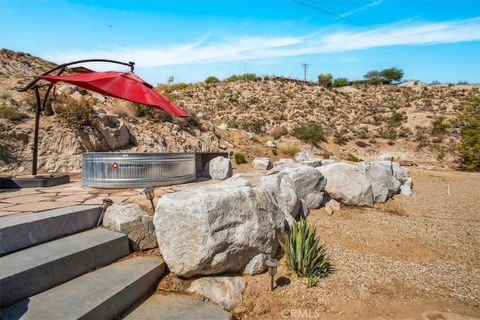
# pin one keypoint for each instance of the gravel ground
(397, 260)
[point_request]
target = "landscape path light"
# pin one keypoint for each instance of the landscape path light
(106, 202)
(150, 194)
(272, 265)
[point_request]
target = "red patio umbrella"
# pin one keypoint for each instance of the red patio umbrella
(123, 85)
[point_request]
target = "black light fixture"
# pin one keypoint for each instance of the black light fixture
(272, 265)
(106, 202)
(150, 194)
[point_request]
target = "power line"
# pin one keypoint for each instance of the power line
(348, 19)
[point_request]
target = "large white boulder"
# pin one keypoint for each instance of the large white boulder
(217, 228)
(347, 184)
(385, 157)
(384, 184)
(226, 291)
(219, 168)
(307, 181)
(134, 222)
(262, 164)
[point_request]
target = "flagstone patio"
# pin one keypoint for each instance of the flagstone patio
(18, 201)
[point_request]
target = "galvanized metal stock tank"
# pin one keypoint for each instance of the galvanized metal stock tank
(132, 170)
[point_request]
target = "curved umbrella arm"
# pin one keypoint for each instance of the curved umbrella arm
(63, 66)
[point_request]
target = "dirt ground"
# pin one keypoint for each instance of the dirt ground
(394, 261)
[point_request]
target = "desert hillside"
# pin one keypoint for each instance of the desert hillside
(266, 116)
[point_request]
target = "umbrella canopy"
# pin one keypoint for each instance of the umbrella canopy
(122, 85)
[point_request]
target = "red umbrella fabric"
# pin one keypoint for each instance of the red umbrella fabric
(122, 85)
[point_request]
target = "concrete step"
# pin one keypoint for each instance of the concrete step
(36, 269)
(102, 294)
(22, 231)
(177, 307)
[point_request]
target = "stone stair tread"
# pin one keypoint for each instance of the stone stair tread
(102, 294)
(177, 307)
(35, 269)
(30, 229)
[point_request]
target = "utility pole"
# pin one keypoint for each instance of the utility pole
(305, 67)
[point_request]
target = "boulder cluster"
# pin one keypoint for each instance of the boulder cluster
(235, 225)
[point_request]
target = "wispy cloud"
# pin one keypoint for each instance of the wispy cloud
(324, 41)
(351, 12)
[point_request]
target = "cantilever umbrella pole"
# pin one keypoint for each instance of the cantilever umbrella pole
(38, 102)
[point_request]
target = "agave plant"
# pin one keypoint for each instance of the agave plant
(304, 254)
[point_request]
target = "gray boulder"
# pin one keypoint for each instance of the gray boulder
(217, 228)
(219, 168)
(307, 181)
(262, 164)
(131, 220)
(347, 184)
(226, 291)
(384, 184)
(257, 265)
(312, 163)
(327, 161)
(405, 190)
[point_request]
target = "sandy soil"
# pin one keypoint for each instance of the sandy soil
(394, 261)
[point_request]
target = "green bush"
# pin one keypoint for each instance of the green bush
(469, 147)
(325, 80)
(391, 74)
(10, 112)
(309, 132)
(245, 76)
(239, 158)
(439, 126)
(340, 82)
(304, 254)
(212, 79)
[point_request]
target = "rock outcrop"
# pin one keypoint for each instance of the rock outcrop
(262, 164)
(226, 291)
(134, 222)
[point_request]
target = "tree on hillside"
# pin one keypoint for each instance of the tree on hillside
(340, 82)
(373, 76)
(325, 80)
(391, 74)
(212, 79)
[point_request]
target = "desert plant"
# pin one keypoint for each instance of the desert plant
(212, 79)
(469, 147)
(9, 112)
(278, 132)
(309, 132)
(340, 82)
(325, 80)
(304, 253)
(239, 158)
(439, 126)
(289, 149)
(77, 114)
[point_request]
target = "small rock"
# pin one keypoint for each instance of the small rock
(312, 163)
(226, 291)
(304, 156)
(257, 264)
(249, 135)
(332, 206)
(271, 144)
(405, 190)
(262, 164)
(223, 126)
(219, 168)
(131, 220)
(385, 157)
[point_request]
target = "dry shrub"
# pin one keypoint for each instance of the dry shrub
(289, 149)
(76, 113)
(278, 132)
(361, 144)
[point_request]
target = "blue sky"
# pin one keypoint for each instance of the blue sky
(190, 40)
